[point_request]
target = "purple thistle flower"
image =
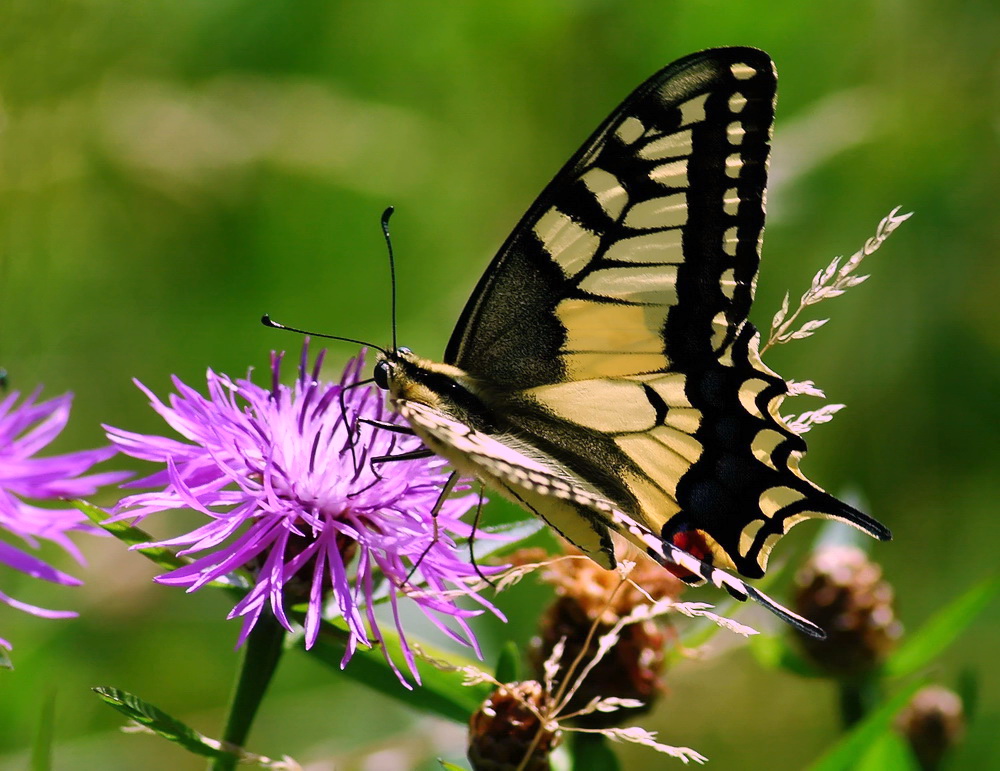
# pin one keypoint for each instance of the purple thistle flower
(24, 431)
(285, 478)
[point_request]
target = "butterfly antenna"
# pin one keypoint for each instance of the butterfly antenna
(392, 269)
(267, 321)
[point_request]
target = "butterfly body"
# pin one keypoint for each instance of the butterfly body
(604, 374)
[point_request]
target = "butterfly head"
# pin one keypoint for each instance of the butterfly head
(442, 387)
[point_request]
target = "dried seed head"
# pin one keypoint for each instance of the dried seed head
(504, 730)
(632, 668)
(591, 586)
(933, 723)
(843, 591)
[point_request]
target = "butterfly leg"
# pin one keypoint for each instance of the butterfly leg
(423, 452)
(347, 423)
(449, 485)
(386, 426)
(472, 538)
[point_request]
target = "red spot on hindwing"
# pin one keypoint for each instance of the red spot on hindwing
(694, 543)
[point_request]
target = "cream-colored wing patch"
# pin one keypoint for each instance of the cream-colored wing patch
(567, 242)
(661, 246)
(523, 474)
(601, 326)
(611, 406)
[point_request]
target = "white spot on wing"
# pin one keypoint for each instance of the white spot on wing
(735, 133)
(737, 102)
(730, 241)
(630, 130)
(728, 283)
(734, 163)
(742, 71)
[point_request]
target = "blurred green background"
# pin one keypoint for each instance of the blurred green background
(171, 170)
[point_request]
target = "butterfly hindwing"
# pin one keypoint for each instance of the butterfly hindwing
(570, 505)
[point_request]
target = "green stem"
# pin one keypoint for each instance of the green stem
(261, 654)
(857, 699)
(590, 752)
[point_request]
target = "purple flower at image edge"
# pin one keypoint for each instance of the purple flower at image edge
(25, 430)
(284, 477)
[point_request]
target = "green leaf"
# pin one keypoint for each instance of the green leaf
(5, 662)
(968, 690)
(922, 647)
(165, 558)
(41, 748)
(440, 693)
(160, 722)
(450, 766)
(590, 752)
(845, 754)
(508, 668)
(889, 752)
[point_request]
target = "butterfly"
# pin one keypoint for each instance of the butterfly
(604, 374)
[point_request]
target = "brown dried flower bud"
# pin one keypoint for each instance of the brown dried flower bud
(504, 730)
(632, 669)
(843, 591)
(933, 723)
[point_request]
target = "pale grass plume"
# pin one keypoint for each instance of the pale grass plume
(553, 715)
(799, 424)
(636, 735)
(835, 279)
(828, 283)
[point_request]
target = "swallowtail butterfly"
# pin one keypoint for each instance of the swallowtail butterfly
(604, 374)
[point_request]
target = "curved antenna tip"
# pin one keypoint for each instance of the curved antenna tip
(386, 215)
(267, 321)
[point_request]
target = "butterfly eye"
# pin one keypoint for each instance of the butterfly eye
(381, 375)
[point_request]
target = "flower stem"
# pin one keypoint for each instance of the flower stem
(260, 661)
(857, 699)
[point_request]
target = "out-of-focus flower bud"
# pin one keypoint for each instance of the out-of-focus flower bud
(632, 669)
(504, 730)
(933, 723)
(843, 591)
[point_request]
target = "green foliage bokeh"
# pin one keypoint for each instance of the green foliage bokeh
(171, 170)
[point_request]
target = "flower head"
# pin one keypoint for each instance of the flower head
(286, 479)
(25, 430)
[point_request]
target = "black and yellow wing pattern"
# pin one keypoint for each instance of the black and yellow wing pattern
(604, 373)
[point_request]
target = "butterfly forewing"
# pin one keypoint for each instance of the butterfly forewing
(641, 253)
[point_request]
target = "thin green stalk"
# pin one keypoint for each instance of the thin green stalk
(857, 699)
(261, 654)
